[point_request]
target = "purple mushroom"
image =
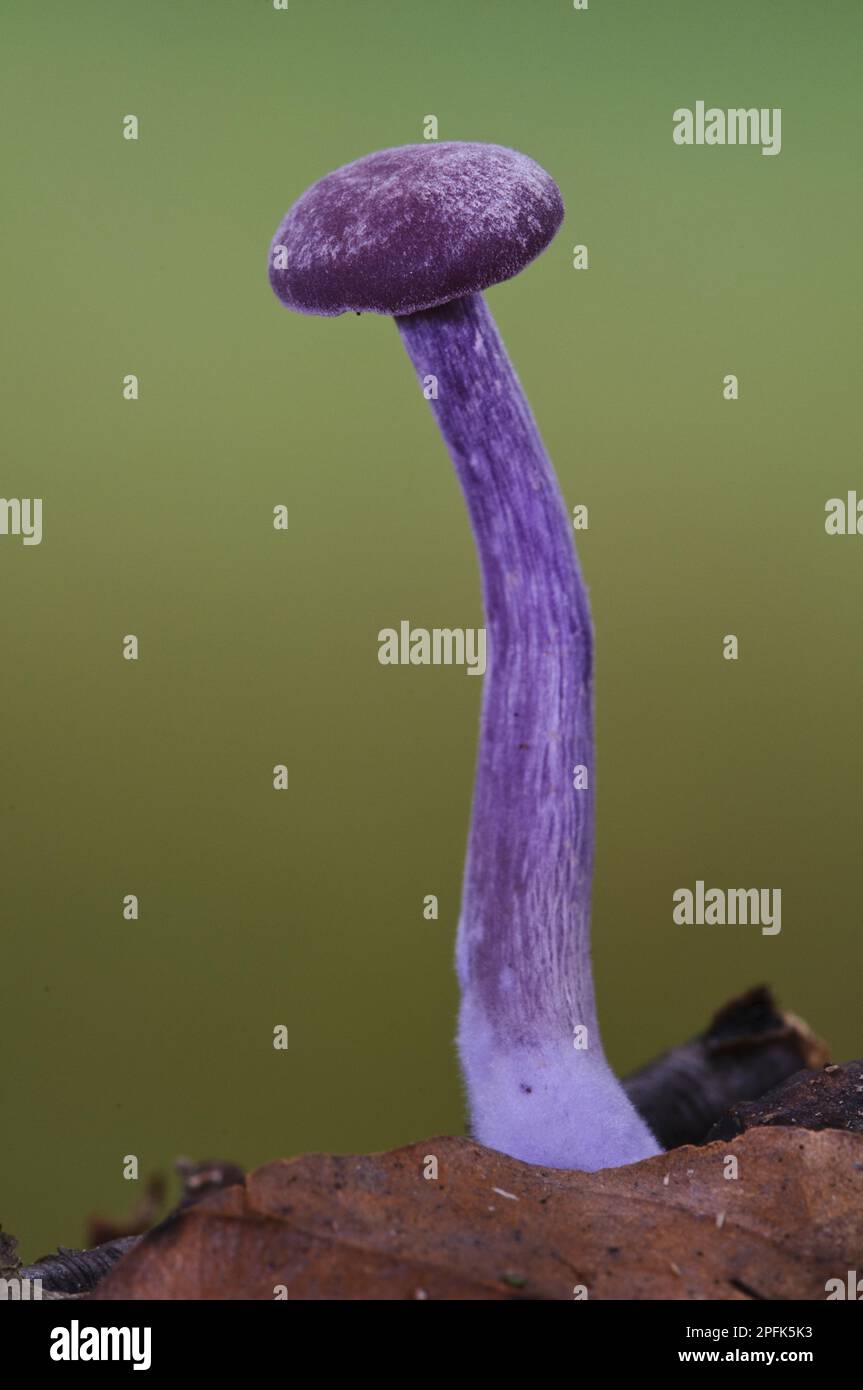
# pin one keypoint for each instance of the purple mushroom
(418, 232)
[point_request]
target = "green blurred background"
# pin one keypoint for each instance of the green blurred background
(258, 647)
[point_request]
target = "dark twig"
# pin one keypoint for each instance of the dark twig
(831, 1098)
(749, 1047)
(76, 1273)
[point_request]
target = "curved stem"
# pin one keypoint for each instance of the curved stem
(524, 942)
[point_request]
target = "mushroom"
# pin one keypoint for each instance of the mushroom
(417, 233)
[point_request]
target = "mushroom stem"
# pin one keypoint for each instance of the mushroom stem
(539, 1087)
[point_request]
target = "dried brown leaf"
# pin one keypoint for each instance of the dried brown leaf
(489, 1227)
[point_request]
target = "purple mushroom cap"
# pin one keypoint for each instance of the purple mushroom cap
(413, 227)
